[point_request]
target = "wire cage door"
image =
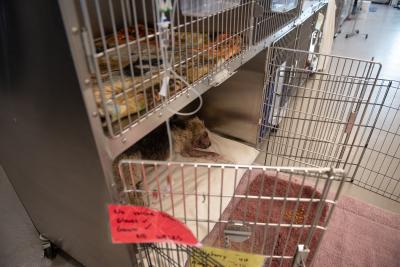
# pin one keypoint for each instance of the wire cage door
(279, 214)
(268, 18)
(378, 165)
(132, 47)
(327, 114)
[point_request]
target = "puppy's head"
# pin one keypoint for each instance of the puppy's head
(200, 134)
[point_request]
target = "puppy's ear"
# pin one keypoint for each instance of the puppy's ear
(174, 118)
(178, 122)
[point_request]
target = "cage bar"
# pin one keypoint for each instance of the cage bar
(128, 42)
(316, 118)
(281, 207)
(377, 168)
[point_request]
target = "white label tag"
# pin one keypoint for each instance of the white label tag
(320, 20)
(164, 86)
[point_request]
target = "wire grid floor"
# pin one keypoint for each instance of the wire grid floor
(267, 21)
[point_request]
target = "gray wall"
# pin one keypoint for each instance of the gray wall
(46, 144)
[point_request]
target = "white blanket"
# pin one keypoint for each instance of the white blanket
(195, 195)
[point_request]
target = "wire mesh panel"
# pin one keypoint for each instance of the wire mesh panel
(378, 168)
(142, 53)
(253, 209)
(326, 114)
(289, 40)
(281, 95)
(268, 18)
(304, 36)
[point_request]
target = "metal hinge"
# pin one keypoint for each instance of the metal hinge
(88, 52)
(237, 232)
(300, 256)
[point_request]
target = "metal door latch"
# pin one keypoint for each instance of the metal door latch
(300, 256)
(237, 232)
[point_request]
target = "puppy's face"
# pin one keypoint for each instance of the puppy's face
(202, 141)
(200, 134)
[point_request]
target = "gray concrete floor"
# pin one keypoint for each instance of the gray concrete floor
(19, 243)
(383, 29)
(19, 240)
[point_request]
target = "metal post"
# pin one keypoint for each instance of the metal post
(300, 256)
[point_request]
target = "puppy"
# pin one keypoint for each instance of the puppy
(190, 138)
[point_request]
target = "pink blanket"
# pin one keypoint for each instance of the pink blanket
(360, 235)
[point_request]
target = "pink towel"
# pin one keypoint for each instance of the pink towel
(360, 235)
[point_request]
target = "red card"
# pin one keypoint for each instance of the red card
(137, 224)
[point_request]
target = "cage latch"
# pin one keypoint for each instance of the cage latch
(300, 256)
(236, 232)
(88, 53)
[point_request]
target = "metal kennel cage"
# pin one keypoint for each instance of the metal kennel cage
(280, 96)
(342, 115)
(267, 211)
(239, 114)
(310, 31)
(142, 54)
(289, 40)
(119, 49)
(305, 37)
(92, 39)
(268, 20)
(325, 113)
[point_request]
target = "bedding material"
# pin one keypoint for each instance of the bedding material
(194, 56)
(270, 240)
(182, 193)
(360, 235)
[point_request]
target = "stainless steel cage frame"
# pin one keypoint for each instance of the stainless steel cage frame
(89, 34)
(235, 119)
(303, 37)
(132, 45)
(289, 40)
(308, 32)
(205, 197)
(267, 22)
(108, 147)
